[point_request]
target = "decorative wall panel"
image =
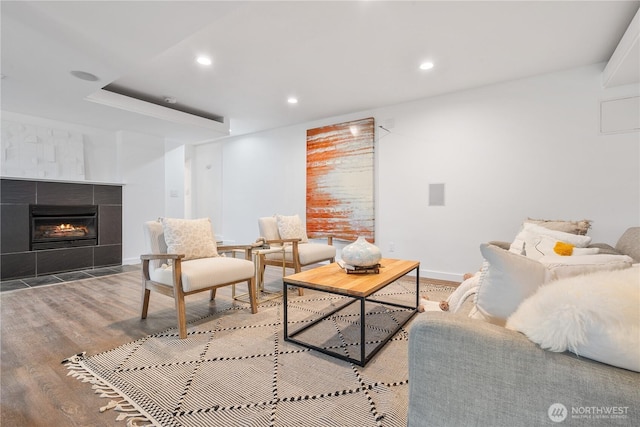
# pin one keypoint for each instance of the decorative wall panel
(340, 180)
(40, 152)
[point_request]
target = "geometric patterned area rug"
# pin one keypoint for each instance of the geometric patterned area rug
(235, 369)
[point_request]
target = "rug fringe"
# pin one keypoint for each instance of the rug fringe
(132, 422)
(127, 411)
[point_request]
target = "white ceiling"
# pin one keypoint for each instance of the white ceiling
(336, 57)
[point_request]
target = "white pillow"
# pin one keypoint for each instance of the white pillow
(191, 237)
(506, 280)
(546, 246)
(526, 240)
(291, 227)
(595, 315)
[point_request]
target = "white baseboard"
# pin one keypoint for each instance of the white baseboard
(130, 261)
(440, 275)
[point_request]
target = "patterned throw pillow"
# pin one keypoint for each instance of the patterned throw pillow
(192, 237)
(290, 227)
(573, 227)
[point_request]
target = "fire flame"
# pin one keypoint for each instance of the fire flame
(70, 228)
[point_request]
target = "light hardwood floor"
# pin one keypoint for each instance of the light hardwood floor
(42, 326)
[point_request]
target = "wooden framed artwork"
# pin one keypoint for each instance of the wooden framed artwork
(340, 180)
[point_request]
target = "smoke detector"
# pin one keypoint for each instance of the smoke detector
(170, 100)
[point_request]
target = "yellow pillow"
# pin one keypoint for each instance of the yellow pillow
(564, 249)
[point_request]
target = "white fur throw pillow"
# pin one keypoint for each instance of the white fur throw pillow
(595, 315)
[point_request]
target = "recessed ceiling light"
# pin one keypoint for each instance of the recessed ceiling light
(203, 60)
(83, 75)
(426, 65)
(292, 100)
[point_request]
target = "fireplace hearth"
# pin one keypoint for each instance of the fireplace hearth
(61, 226)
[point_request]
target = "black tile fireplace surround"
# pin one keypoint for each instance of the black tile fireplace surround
(17, 200)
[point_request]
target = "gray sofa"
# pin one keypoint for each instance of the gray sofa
(627, 244)
(466, 372)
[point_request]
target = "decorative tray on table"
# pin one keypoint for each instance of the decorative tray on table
(354, 269)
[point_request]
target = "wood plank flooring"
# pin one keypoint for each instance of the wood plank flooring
(42, 326)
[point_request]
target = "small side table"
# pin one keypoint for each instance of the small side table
(258, 255)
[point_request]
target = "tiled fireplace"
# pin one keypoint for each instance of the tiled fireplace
(51, 227)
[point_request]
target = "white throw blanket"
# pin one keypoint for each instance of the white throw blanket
(466, 289)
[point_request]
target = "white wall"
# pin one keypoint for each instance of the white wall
(530, 147)
(142, 168)
(206, 165)
(174, 179)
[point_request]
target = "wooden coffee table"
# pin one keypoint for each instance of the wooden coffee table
(359, 287)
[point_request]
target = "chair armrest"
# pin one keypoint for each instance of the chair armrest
(294, 241)
(177, 259)
(329, 239)
(294, 250)
(230, 248)
(149, 257)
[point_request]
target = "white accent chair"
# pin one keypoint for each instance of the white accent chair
(169, 274)
(298, 251)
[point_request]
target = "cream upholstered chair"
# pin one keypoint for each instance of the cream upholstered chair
(298, 252)
(183, 259)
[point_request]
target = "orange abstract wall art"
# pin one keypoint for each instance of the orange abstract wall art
(340, 180)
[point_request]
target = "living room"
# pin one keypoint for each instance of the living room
(535, 139)
(516, 147)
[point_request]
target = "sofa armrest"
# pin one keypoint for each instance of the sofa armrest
(468, 372)
(629, 243)
(500, 244)
(604, 249)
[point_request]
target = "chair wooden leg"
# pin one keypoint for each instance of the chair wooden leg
(182, 316)
(178, 295)
(213, 294)
(251, 283)
(146, 294)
